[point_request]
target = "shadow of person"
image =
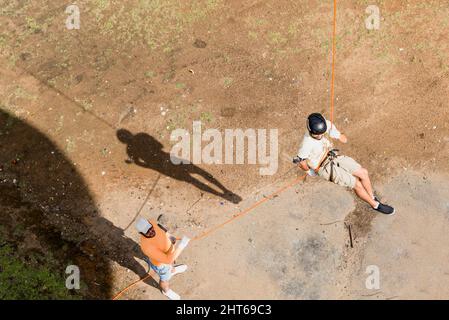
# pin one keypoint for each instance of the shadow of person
(122, 249)
(50, 219)
(145, 151)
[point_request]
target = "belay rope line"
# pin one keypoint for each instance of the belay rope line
(280, 190)
(234, 217)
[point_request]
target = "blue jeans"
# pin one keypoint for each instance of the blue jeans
(163, 271)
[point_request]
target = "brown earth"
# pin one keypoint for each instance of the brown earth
(150, 67)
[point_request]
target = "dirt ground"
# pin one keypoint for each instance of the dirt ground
(148, 67)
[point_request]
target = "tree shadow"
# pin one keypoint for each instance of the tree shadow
(49, 217)
(145, 151)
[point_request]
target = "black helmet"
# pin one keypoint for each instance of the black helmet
(316, 124)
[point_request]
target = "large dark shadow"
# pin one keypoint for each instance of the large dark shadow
(145, 151)
(48, 214)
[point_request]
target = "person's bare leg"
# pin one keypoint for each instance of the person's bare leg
(164, 286)
(362, 174)
(361, 192)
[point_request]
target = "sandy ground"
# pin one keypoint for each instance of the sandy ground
(305, 252)
(73, 92)
(408, 248)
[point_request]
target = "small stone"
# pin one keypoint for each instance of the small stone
(200, 44)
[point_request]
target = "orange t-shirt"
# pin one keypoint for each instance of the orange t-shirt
(157, 248)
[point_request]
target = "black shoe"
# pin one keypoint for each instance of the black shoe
(385, 209)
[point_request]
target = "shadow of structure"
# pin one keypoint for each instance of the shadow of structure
(49, 218)
(145, 151)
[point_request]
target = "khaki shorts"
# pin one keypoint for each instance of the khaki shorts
(342, 172)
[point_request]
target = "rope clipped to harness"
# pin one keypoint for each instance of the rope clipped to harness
(331, 156)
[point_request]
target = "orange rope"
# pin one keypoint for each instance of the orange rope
(247, 210)
(118, 295)
(277, 192)
(334, 32)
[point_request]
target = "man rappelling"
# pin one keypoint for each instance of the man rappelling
(316, 156)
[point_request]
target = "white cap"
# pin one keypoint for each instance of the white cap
(142, 225)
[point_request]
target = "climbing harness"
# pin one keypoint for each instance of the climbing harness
(330, 160)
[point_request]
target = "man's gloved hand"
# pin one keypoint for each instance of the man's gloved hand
(184, 242)
(334, 134)
(311, 173)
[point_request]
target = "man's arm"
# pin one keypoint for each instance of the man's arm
(159, 255)
(169, 235)
(301, 158)
(334, 133)
(166, 258)
(343, 138)
(303, 165)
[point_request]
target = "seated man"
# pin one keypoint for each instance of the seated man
(158, 245)
(317, 157)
